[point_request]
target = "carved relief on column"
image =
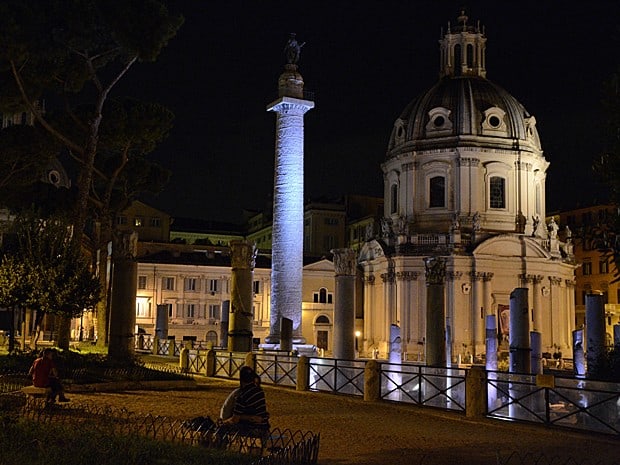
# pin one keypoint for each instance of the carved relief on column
(243, 254)
(389, 277)
(475, 275)
(369, 279)
(345, 261)
(407, 275)
(125, 245)
(486, 277)
(570, 282)
(453, 275)
(554, 280)
(435, 270)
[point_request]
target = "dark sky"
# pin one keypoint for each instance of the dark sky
(365, 61)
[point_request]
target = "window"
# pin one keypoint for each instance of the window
(121, 220)
(168, 283)
(437, 192)
(169, 310)
(322, 320)
(155, 222)
(192, 284)
(256, 287)
(213, 287)
(603, 266)
(143, 309)
(394, 199)
(497, 192)
(191, 310)
(331, 221)
(323, 297)
(141, 282)
(214, 311)
(138, 221)
(586, 268)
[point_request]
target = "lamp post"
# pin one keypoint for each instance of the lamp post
(357, 336)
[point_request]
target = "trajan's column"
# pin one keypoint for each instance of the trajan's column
(288, 197)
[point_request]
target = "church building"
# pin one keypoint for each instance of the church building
(464, 180)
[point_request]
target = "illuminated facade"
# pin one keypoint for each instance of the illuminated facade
(596, 271)
(464, 179)
(194, 286)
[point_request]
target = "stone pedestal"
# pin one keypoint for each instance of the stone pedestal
(124, 287)
(344, 304)
(240, 316)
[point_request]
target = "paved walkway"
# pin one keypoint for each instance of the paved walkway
(379, 433)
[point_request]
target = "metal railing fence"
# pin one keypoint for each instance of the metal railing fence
(337, 376)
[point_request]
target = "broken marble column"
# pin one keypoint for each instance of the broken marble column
(595, 330)
(243, 256)
(491, 342)
(345, 262)
(435, 311)
(536, 354)
(124, 287)
(579, 357)
(519, 332)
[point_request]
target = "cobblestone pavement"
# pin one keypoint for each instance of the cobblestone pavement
(378, 433)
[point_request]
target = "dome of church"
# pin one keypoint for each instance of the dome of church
(461, 111)
(465, 154)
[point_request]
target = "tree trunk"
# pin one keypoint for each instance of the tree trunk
(64, 329)
(12, 331)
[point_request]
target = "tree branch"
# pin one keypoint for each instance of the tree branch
(37, 114)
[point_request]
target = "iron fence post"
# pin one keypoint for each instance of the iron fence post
(303, 373)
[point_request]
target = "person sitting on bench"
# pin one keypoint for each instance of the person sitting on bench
(45, 375)
(250, 410)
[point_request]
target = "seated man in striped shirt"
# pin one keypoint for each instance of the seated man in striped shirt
(250, 411)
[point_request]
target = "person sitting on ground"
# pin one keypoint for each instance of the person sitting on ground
(228, 406)
(45, 375)
(250, 410)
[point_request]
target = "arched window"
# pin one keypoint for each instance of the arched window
(211, 337)
(323, 295)
(437, 192)
(394, 199)
(322, 320)
(458, 59)
(497, 190)
(470, 56)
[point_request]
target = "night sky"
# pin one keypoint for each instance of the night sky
(365, 61)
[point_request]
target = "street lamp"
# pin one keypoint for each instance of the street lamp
(357, 336)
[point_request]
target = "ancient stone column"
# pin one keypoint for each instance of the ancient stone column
(491, 342)
(288, 203)
(536, 353)
(435, 311)
(345, 262)
(595, 330)
(519, 331)
(240, 317)
(579, 358)
(124, 287)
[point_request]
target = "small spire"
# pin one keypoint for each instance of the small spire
(463, 19)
